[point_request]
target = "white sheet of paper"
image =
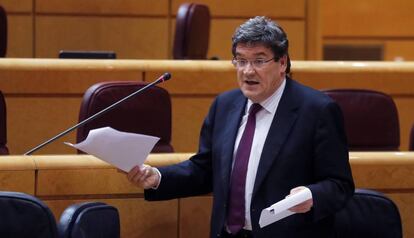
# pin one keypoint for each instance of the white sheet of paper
(121, 149)
(280, 210)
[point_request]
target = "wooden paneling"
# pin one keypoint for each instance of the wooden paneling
(119, 7)
(19, 27)
(404, 201)
(195, 212)
(82, 181)
(393, 49)
(296, 32)
(211, 82)
(370, 18)
(221, 31)
(13, 6)
(192, 95)
(313, 41)
(125, 36)
(41, 104)
(20, 36)
(188, 111)
(387, 22)
(138, 218)
(52, 82)
(17, 174)
(43, 96)
(33, 120)
(380, 77)
(406, 117)
(387, 172)
(65, 180)
(144, 29)
(382, 172)
(22, 181)
(235, 8)
(370, 172)
(63, 76)
(399, 50)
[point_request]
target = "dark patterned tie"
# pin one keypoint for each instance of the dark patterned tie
(235, 217)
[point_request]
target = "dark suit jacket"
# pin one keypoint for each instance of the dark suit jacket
(306, 145)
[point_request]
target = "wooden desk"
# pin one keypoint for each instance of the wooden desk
(61, 180)
(43, 95)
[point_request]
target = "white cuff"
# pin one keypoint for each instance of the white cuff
(159, 180)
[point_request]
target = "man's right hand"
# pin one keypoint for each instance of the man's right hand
(144, 176)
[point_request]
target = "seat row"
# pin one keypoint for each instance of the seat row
(191, 37)
(147, 113)
(370, 117)
(367, 214)
(23, 215)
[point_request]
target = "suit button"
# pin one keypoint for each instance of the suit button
(253, 210)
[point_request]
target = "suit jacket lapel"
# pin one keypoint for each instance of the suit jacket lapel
(282, 123)
(232, 121)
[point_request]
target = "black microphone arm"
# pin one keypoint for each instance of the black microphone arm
(161, 79)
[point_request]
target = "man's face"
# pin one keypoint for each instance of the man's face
(258, 81)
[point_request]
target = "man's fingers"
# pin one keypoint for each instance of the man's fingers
(297, 189)
(133, 173)
(145, 174)
(302, 207)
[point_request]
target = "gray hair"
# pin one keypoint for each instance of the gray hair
(262, 30)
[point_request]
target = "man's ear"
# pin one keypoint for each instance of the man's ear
(283, 63)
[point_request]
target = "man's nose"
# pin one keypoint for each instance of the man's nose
(248, 69)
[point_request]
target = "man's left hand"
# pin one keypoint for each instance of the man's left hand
(302, 207)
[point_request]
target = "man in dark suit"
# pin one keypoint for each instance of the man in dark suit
(269, 139)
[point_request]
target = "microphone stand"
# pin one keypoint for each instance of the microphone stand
(161, 79)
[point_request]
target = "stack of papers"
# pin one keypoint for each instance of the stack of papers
(121, 149)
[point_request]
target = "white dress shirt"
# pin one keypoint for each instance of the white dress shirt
(264, 119)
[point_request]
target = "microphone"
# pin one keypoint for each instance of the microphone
(163, 78)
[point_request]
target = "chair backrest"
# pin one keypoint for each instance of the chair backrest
(147, 113)
(3, 32)
(192, 31)
(22, 215)
(89, 220)
(371, 119)
(3, 126)
(411, 142)
(368, 214)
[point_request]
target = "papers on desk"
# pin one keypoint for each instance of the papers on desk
(280, 210)
(121, 149)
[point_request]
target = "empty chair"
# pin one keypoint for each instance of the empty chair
(147, 113)
(192, 31)
(368, 214)
(3, 32)
(22, 216)
(371, 119)
(89, 220)
(3, 126)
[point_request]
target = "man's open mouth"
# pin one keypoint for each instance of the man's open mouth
(250, 82)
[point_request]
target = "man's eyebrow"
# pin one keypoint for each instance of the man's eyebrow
(259, 54)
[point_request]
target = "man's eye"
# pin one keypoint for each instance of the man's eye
(259, 61)
(242, 62)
